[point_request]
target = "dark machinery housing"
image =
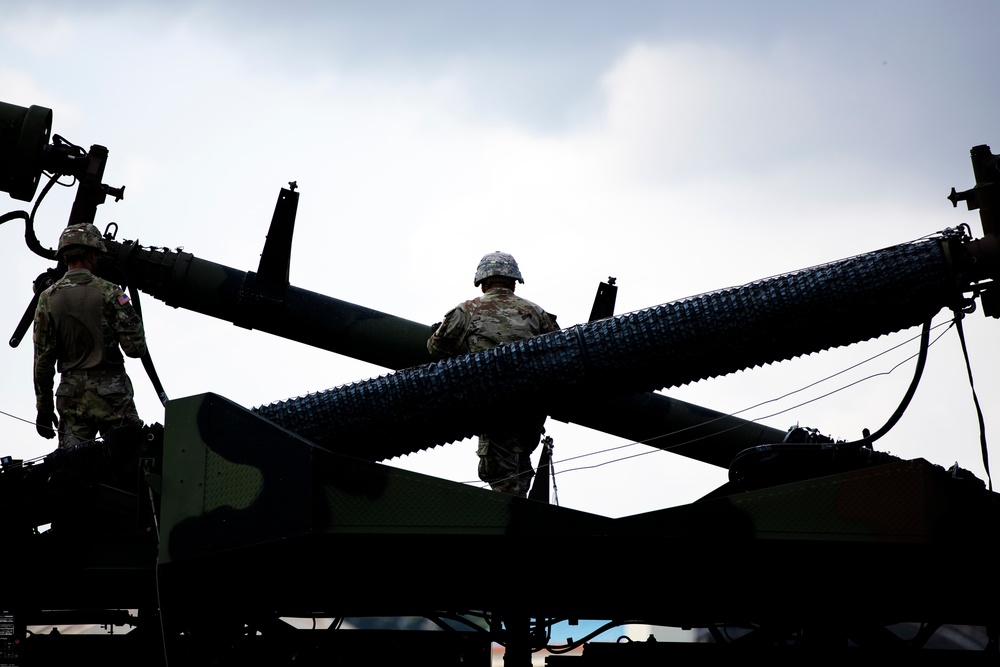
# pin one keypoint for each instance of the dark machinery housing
(203, 537)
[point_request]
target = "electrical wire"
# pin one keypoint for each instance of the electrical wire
(774, 414)
(570, 646)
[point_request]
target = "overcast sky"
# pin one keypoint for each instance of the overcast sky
(678, 149)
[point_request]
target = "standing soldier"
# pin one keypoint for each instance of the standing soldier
(492, 319)
(83, 323)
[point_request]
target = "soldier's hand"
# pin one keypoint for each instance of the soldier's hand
(45, 424)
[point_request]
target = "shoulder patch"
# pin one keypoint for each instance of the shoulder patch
(123, 299)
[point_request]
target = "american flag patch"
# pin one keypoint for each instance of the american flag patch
(123, 299)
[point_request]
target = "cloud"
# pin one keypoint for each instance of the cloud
(681, 110)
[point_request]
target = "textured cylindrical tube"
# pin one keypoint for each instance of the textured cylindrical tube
(669, 345)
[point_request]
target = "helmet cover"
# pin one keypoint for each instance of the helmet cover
(497, 264)
(83, 235)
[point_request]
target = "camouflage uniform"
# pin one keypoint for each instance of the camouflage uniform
(497, 317)
(83, 323)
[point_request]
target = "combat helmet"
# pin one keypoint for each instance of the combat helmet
(82, 235)
(497, 264)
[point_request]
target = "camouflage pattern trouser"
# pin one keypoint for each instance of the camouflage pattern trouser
(93, 401)
(505, 458)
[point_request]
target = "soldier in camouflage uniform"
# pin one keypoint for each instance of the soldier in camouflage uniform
(82, 324)
(495, 318)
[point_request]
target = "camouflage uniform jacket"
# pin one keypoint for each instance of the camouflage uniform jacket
(82, 322)
(499, 316)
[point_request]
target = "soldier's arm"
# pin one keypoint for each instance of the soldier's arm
(127, 325)
(449, 338)
(44, 339)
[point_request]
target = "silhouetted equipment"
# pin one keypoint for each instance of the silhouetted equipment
(604, 301)
(230, 536)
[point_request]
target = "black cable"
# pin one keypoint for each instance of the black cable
(442, 621)
(975, 400)
(147, 359)
(121, 277)
(29, 223)
(569, 646)
(925, 335)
